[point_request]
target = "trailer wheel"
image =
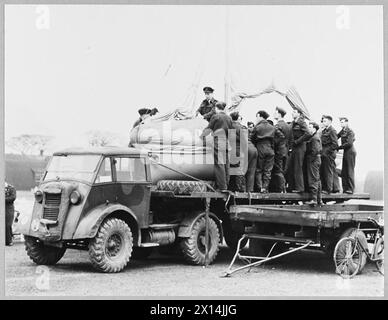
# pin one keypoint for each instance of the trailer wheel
(347, 257)
(42, 254)
(110, 250)
(354, 232)
(141, 253)
(379, 254)
(193, 247)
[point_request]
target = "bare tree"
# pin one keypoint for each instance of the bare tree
(97, 138)
(29, 143)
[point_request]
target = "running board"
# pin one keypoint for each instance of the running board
(163, 226)
(148, 245)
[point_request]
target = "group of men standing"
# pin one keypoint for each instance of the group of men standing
(283, 157)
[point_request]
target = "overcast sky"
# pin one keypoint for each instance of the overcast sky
(92, 67)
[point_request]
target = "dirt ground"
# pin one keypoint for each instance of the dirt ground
(308, 273)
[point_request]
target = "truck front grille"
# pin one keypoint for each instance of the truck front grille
(51, 206)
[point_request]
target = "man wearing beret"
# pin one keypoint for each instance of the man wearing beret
(263, 136)
(10, 196)
(283, 140)
(329, 152)
(144, 114)
(300, 135)
(349, 158)
(207, 107)
(219, 125)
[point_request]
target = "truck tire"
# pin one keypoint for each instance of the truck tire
(193, 247)
(140, 253)
(181, 186)
(42, 254)
(111, 248)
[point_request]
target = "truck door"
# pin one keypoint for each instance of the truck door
(133, 186)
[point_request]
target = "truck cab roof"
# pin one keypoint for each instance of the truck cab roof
(104, 151)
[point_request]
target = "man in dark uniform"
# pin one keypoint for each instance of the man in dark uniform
(252, 160)
(349, 158)
(313, 164)
(283, 140)
(336, 183)
(263, 137)
(219, 125)
(295, 166)
(329, 152)
(238, 139)
(207, 107)
(10, 196)
(144, 114)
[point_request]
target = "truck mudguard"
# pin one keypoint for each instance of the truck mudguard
(188, 222)
(89, 223)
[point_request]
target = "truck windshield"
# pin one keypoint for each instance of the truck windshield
(77, 167)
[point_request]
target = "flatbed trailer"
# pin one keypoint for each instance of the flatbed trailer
(255, 197)
(276, 230)
(277, 217)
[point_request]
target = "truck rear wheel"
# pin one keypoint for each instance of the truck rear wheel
(41, 253)
(193, 247)
(111, 248)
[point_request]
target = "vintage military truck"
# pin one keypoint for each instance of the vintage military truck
(106, 201)
(99, 200)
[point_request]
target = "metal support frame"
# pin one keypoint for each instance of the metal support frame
(262, 260)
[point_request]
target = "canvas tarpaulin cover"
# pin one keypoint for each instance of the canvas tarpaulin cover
(289, 93)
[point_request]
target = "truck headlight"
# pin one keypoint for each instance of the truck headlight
(75, 197)
(38, 196)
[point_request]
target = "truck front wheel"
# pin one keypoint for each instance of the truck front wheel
(193, 247)
(111, 248)
(41, 253)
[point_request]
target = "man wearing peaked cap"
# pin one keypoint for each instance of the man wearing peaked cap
(144, 114)
(206, 109)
